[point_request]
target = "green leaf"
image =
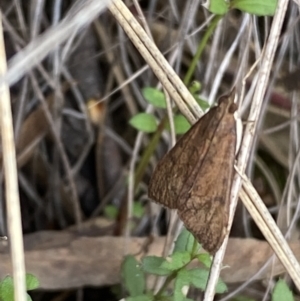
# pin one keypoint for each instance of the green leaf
(152, 265)
(202, 103)
(218, 7)
(205, 259)
(176, 261)
(195, 87)
(133, 276)
(140, 298)
(28, 298)
(31, 282)
(155, 97)
(144, 122)
(7, 289)
(111, 211)
(184, 242)
(198, 278)
(138, 210)
(181, 124)
(221, 287)
(182, 281)
(282, 292)
(256, 7)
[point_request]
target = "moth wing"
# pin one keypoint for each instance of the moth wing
(206, 223)
(204, 202)
(174, 169)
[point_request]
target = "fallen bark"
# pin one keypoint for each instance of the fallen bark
(65, 260)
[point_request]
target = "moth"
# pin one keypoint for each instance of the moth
(195, 176)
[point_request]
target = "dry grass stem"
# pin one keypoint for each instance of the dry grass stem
(145, 45)
(156, 60)
(76, 155)
(264, 72)
(11, 181)
(268, 227)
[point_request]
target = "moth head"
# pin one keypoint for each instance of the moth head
(228, 101)
(232, 108)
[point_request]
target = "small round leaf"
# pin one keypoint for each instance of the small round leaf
(144, 122)
(218, 7)
(155, 97)
(282, 292)
(31, 282)
(133, 276)
(256, 7)
(181, 124)
(7, 289)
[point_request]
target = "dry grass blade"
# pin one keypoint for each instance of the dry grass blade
(264, 73)
(155, 59)
(27, 58)
(149, 51)
(116, 69)
(66, 147)
(11, 181)
(80, 16)
(268, 227)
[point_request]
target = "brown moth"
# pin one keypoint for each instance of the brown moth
(195, 176)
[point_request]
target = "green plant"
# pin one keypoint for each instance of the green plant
(282, 292)
(147, 123)
(7, 287)
(255, 7)
(175, 269)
